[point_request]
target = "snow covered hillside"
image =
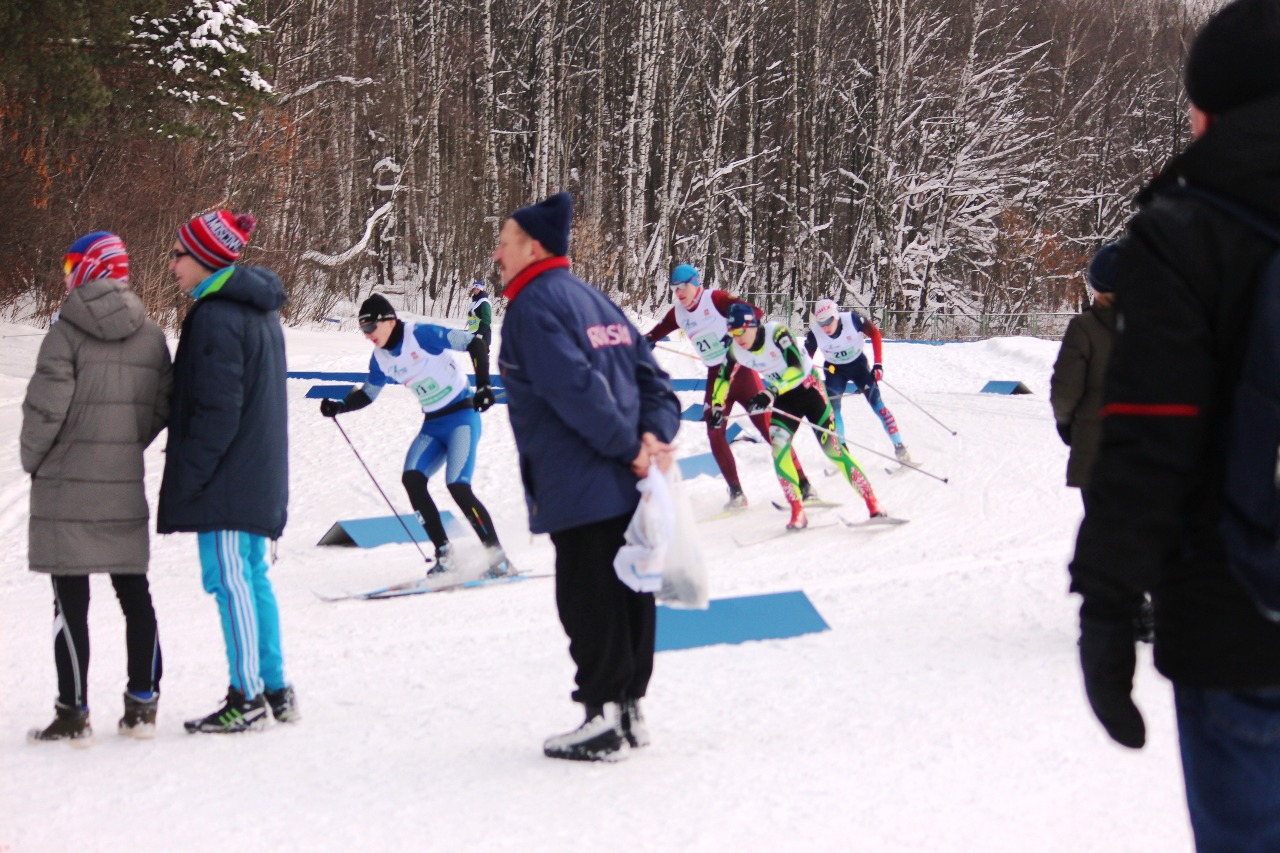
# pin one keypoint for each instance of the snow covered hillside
(943, 711)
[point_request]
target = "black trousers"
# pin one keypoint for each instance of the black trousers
(71, 635)
(611, 629)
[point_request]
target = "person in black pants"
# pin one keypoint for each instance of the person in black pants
(99, 396)
(614, 655)
(590, 410)
(71, 651)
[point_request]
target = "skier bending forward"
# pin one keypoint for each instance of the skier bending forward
(417, 355)
(793, 391)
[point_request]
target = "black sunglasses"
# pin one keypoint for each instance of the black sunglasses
(368, 328)
(178, 253)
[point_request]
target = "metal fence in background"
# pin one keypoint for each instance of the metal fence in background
(925, 326)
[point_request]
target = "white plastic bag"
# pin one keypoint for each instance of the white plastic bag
(684, 576)
(661, 552)
(639, 562)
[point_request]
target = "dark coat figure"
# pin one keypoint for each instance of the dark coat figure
(589, 409)
(227, 463)
(1075, 390)
(1185, 287)
(226, 473)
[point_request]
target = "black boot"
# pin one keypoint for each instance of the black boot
(633, 727)
(139, 718)
(69, 724)
(445, 561)
(284, 705)
(599, 738)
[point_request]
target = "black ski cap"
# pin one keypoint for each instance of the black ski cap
(376, 308)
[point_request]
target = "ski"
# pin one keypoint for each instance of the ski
(894, 470)
(761, 538)
(423, 586)
(878, 521)
(809, 504)
(723, 514)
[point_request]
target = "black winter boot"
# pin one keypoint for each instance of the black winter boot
(69, 724)
(284, 705)
(139, 718)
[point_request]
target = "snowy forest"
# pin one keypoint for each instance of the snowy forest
(922, 156)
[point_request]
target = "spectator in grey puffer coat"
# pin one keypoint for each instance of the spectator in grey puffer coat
(1075, 390)
(99, 396)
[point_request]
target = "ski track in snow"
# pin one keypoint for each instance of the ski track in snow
(943, 711)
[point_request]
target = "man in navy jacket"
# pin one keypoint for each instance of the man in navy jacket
(590, 408)
(226, 473)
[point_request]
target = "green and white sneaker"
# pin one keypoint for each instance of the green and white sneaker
(236, 715)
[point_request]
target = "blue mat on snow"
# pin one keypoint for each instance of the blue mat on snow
(495, 381)
(694, 466)
(1000, 387)
(694, 413)
(329, 377)
(372, 532)
(329, 392)
(774, 616)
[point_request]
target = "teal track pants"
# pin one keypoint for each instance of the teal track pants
(234, 569)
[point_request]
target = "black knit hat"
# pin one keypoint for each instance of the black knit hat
(376, 308)
(548, 222)
(1235, 58)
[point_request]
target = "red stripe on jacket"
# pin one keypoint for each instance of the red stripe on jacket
(1156, 410)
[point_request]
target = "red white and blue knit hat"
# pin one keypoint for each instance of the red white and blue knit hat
(216, 239)
(97, 255)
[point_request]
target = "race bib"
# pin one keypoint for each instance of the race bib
(430, 392)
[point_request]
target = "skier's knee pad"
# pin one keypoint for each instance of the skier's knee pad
(462, 493)
(415, 483)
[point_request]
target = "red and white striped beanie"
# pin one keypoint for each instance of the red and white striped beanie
(97, 255)
(216, 239)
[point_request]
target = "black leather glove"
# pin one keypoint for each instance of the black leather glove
(483, 398)
(760, 402)
(1108, 659)
(1064, 433)
(715, 417)
(332, 408)
(877, 371)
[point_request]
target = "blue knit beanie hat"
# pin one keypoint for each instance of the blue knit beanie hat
(548, 222)
(741, 316)
(1102, 269)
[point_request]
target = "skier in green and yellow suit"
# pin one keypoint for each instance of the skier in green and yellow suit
(793, 392)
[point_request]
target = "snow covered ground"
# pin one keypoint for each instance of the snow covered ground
(943, 711)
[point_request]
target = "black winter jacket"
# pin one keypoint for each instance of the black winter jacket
(1185, 286)
(227, 462)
